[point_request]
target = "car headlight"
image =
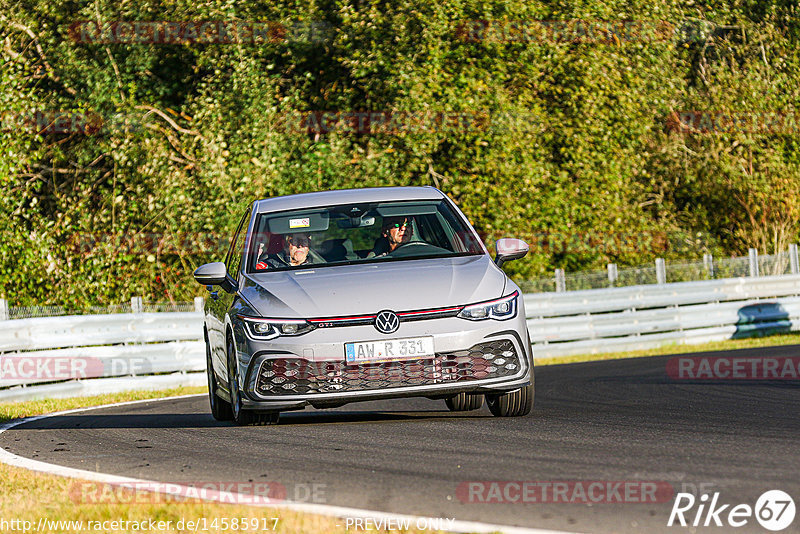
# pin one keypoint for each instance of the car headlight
(499, 309)
(259, 328)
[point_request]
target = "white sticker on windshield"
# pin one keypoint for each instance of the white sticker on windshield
(300, 223)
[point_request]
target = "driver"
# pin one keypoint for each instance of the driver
(395, 232)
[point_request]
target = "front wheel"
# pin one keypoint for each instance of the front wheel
(220, 409)
(511, 404)
(464, 403)
(241, 416)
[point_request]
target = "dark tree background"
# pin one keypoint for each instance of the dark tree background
(582, 157)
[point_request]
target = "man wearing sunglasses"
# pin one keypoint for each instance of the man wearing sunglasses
(395, 232)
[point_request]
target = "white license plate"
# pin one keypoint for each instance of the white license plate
(410, 348)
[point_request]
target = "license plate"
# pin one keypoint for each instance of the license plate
(388, 350)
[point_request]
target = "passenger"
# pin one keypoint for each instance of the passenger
(295, 252)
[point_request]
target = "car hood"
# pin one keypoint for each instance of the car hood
(368, 288)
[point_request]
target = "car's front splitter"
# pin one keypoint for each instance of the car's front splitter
(339, 399)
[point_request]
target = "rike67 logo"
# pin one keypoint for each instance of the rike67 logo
(774, 510)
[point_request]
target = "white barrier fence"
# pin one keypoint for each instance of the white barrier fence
(645, 317)
(43, 356)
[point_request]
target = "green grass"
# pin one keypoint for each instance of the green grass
(17, 410)
(29, 496)
(730, 344)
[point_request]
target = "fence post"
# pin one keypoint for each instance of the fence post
(561, 282)
(136, 304)
(199, 304)
(708, 262)
(613, 274)
(753, 256)
(3, 310)
(661, 271)
(794, 264)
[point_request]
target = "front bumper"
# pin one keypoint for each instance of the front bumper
(473, 357)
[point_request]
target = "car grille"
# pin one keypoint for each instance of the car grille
(296, 376)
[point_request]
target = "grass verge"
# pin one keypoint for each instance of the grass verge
(728, 344)
(30, 498)
(18, 410)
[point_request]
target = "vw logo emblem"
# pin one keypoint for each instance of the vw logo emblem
(387, 322)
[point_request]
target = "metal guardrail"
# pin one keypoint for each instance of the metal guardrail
(88, 330)
(85, 354)
(644, 317)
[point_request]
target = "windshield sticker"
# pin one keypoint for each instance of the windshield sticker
(300, 223)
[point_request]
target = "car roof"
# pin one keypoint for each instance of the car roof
(346, 196)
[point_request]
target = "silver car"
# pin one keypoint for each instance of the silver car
(342, 296)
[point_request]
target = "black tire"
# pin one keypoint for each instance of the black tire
(220, 408)
(464, 403)
(512, 404)
(239, 415)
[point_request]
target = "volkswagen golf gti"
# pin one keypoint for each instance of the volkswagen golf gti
(341, 296)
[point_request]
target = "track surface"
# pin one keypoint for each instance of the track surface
(603, 421)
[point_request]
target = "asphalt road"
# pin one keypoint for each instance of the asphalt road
(613, 421)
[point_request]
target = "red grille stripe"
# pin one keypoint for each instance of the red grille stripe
(429, 312)
(335, 319)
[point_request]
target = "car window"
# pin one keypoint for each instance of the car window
(357, 233)
(234, 256)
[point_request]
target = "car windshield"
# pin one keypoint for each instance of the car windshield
(359, 233)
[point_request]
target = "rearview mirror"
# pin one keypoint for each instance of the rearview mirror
(214, 274)
(356, 222)
(509, 248)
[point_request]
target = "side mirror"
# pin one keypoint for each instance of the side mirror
(214, 274)
(509, 249)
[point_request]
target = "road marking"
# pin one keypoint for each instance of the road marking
(320, 509)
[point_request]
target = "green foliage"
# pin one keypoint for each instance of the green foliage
(579, 153)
